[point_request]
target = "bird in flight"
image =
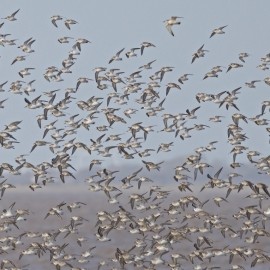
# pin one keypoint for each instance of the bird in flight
(218, 31)
(12, 16)
(171, 22)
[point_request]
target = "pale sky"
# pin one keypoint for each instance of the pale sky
(113, 25)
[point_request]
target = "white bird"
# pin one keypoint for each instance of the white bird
(242, 56)
(199, 53)
(116, 57)
(171, 22)
(148, 65)
(251, 84)
(233, 65)
(132, 53)
(55, 18)
(25, 72)
(68, 22)
(64, 39)
(26, 46)
(12, 16)
(19, 58)
(146, 44)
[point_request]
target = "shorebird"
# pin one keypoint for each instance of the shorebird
(242, 56)
(267, 80)
(146, 44)
(64, 39)
(234, 65)
(216, 118)
(218, 31)
(26, 46)
(151, 165)
(117, 56)
(148, 65)
(163, 70)
(218, 200)
(251, 84)
(13, 126)
(184, 77)
(34, 104)
(171, 22)
(265, 104)
(79, 42)
(263, 66)
(12, 16)
(199, 53)
(19, 58)
(165, 147)
(1, 86)
(24, 72)
(38, 143)
(132, 53)
(82, 80)
(2, 102)
(237, 116)
(191, 114)
(210, 74)
(55, 18)
(217, 69)
(171, 85)
(199, 167)
(69, 22)
(28, 88)
(102, 233)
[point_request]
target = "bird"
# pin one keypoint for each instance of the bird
(165, 147)
(171, 85)
(102, 233)
(199, 53)
(242, 56)
(216, 118)
(171, 22)
(265, 104)
(19, 58)
(24, 72)
(79, 42)
(56, 18)
(116, 57)
(234, 65)
(69, 22)
(2, 102)
(82, 80)
(151, 165)
(132, 53)
(191, 114)
(184, 77)
(1, 86)
(218, 31)
(210, 74)
(252, 83)
(64, 39)
(148, 65)
(12, 16)
(38, 143)
(26, 46)
(146, 44)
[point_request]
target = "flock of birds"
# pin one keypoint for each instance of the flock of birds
(166, 227)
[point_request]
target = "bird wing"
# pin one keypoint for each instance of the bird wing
(169, 28)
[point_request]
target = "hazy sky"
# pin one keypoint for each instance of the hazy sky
(113, 25)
